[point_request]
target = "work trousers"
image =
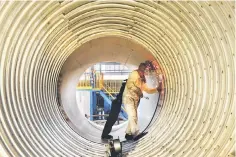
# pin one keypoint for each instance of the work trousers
(113, 116)
(131, 106)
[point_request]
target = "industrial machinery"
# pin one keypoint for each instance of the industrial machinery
(114, 148)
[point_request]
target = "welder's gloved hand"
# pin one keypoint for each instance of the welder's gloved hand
(159, 88)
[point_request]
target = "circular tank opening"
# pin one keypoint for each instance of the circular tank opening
(112, 49)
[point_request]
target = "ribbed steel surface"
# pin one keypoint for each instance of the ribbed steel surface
(193, 41)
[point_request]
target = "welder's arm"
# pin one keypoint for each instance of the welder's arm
(148, 90)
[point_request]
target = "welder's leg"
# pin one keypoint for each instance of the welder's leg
(131, 109)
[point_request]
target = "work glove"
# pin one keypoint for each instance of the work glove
(159, 88)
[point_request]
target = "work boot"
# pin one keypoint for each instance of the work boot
(128, 137)
(139, 136)
(107, 137)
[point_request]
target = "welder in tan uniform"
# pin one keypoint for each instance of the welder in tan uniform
(134, 88)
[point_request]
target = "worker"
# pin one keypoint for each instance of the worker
(114, 113)
(134, 88)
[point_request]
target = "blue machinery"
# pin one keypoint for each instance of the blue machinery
(100, 97)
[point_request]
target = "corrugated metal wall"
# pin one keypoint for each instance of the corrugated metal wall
(194, 42)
